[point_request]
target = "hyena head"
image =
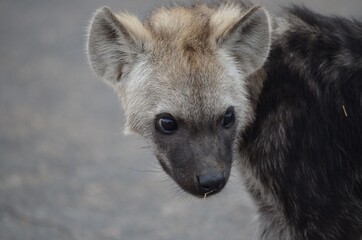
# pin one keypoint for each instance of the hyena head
(182, 78)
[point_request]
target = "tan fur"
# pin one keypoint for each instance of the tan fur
(135, 27)
(180, 60)
(225, 18)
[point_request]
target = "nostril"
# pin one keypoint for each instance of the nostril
(211, 182)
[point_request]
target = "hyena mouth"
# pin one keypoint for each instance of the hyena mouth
(204, 186)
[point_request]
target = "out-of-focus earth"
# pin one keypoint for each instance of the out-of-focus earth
(66, 169)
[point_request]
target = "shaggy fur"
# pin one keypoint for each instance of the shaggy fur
(294, 84)
(303, 153)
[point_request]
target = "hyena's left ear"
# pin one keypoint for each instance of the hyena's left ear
(247, 39)
(114, 41)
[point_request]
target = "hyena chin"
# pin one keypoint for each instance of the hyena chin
(181, 76)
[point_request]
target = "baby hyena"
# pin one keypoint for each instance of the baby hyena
(210, 84)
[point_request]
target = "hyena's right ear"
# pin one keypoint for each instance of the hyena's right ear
(114, 41)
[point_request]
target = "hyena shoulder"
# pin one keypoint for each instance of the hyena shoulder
(306, 141)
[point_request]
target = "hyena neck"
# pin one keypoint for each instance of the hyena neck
(255, 81)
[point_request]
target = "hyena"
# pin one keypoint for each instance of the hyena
(210, 84)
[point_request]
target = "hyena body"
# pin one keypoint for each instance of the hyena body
(209, 84)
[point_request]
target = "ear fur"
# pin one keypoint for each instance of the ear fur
(113, 43)
(248, 40)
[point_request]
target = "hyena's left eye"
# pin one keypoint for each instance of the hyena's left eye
(229, 118)
(166, 123)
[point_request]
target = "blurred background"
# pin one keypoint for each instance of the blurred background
(66, 170)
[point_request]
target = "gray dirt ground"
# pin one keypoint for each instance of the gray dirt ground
(66, 170)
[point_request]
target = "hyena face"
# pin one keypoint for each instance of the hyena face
(183, 79)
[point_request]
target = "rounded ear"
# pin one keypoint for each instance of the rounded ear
(113, 43)
(249, 39)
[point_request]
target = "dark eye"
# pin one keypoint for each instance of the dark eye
(229, 118)
(166, 123)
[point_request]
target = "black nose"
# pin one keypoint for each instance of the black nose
(211, 182)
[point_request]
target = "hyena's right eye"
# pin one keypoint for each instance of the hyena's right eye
(166, 123)
(229, 118)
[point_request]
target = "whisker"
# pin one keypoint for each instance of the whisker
(145, 147)
(179, 195)
(154, 166)
(144, 171)
(150, 168)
